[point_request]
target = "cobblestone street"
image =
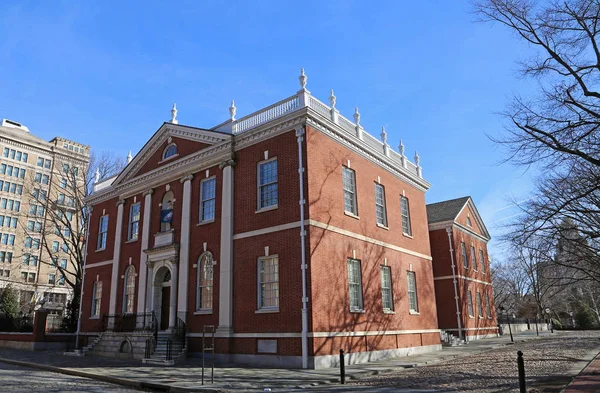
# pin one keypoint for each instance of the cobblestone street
(15, 379)
(546, 360)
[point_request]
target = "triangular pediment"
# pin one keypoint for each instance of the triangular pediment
(188, 140)
(470, 214)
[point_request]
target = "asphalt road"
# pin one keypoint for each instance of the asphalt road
(15, 379)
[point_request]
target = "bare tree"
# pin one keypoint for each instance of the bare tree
(557, 132)
(61, 217)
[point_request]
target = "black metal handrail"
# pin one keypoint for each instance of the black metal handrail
(148, 351)
(180, 328)
(169, 355)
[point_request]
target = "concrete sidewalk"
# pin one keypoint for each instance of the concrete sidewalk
(187, 377)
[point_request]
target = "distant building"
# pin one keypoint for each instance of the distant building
(33, 176)
(461, 270)
(291, 230)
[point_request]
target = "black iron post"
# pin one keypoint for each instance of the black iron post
(521, 366)
(510, 330)
(342, 368)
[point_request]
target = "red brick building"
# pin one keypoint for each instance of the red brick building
(291, 230)
(461, 269)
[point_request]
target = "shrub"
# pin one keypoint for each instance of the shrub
(585, 318)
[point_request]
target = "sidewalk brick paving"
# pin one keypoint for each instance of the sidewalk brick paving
(588, 380)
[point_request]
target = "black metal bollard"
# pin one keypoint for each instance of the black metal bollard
(521, 366)
(342, 368)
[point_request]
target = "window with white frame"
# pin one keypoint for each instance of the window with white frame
(134, 221)
(355, 285)
(470, 303)
(463, 250)
(170, 151)
(208, 189)
(386, 288)
(268, 193)
(204, 289)
(129, 290)
(482, 261)
(268, 282)
(349, 182)
(405, 210)
(380, 210)
(413, 301)
(479, 305)
(488, 309)
(473, 258)
(102, 232)
(469, 221)
(96, 298)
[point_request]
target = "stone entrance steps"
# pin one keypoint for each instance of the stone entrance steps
(178, 350)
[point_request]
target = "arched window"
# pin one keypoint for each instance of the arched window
(170, 151)
(204, 288)
(129, 290)
(166, 211)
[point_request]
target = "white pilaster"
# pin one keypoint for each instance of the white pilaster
(226, 253)
(184, 247)
(142, 285)
(173, 297)
(114, 283)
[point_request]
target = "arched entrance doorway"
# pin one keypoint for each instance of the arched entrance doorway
(162, 296)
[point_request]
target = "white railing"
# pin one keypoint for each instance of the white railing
(319, 107)
(347, 125)
(294, 103)
(265, 115)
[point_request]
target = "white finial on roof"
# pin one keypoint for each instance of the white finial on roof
(97, 176)
(401, 148)
(332, 99)
(232, 110)
(174, 114)
(418, 163)
(383, 136)
(356, 116)
(302, 78)
(129, 157)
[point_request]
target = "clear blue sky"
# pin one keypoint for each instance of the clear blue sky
(106, 74)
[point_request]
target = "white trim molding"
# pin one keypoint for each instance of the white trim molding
(367, 239)
(320, 334)
(464, 278)
(98, 264)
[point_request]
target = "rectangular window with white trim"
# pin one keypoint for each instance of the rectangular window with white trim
(355, 285)
(134, 221)
(208, 189)
(268, 283)
(386, 288)
(102, 232)
(413, 302)
(482, 261)
(479, 305)
(349, 183)
(268, 192)
(405, 210)
(473, 258)
(96, 298)
(463, 250)
(488, 309)
(380, 210)
(470, 303)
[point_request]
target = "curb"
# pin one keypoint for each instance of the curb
(114, 380)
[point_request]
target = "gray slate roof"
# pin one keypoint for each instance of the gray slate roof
(445, 210)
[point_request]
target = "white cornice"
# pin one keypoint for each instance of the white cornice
(358, 146)
(165, 131)
(125, 185)
(460, 227)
